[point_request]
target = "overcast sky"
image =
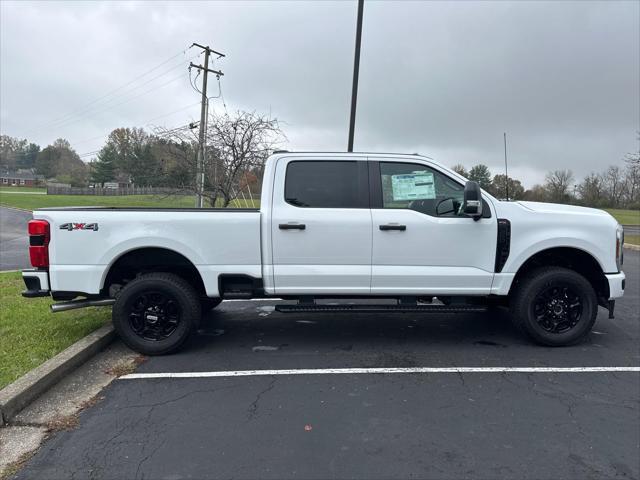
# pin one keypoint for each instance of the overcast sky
(445, 79)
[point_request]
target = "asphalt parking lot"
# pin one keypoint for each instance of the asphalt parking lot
(14, 242)
(425, 425)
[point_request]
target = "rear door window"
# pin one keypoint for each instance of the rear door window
(327, 184)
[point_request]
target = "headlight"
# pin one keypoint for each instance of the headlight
(619, 244)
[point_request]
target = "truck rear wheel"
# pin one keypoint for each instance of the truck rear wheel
(155, 313)
(555, 306)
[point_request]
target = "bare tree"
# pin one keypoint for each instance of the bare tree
(537, 193)
(632, 179)
(237, 147)
(557, 184)
(613, 185)
(590, 190)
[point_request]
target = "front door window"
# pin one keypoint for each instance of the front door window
(417, 187)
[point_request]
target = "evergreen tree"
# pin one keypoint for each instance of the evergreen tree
(104, 168)
(459, 168)
(481, 175)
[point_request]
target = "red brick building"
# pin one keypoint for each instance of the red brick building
(18, 179)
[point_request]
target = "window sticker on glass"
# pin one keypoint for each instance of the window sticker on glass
(413, 186)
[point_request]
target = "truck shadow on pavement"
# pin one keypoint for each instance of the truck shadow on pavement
(250, 335)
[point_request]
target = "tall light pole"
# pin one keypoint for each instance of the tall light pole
(356, 72)
(506, 172)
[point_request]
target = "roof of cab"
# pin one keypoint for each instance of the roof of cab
(349, 154)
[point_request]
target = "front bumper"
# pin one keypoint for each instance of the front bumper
(37, 283)
(616, 284)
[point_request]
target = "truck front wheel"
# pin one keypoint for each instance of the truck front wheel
(555, 306)
(155, 313)
(209, 303)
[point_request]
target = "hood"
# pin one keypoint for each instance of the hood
(561, 208)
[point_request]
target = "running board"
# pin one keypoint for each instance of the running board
(382, 308)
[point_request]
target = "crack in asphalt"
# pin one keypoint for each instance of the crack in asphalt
(153, 452)
(253, 408)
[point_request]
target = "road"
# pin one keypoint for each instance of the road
(436, 425)
(14, 242)
(632, 229)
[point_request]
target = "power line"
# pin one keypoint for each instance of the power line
(170, 113)
(105, 108)
(192, 82)
(146, 122)
(110, 103)
(182, 52)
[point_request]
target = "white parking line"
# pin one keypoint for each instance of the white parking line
(352, 371)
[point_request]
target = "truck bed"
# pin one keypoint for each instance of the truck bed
(215, 241)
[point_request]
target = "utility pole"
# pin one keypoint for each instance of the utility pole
(203, 119)
(356, 73)
(506, 173)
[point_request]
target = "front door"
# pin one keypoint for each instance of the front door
(422, 244)
(321, 227)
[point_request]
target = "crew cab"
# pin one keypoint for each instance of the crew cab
(345, 226)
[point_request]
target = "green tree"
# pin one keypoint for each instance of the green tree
(104, 168)
(482, 175)
(28, 156)
(459, 168)
(59, 159)
(125, 142)
(16, 153)
(499, 188)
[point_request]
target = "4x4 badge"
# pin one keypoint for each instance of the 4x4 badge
(79, 226)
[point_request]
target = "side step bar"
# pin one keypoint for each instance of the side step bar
(381, 308)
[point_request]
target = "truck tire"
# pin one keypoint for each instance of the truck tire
(209, 303)
(555, 306)
(155, 313)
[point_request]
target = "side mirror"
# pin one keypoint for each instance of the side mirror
(472, 205)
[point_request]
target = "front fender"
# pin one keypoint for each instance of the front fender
(515, 262)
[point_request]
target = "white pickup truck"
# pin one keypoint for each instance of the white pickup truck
(345, 226)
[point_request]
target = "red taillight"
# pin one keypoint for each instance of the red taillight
(39, 237)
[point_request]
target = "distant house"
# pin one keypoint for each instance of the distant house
(19, 179)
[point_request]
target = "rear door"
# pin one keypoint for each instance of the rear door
(422, 244)
(321, 227)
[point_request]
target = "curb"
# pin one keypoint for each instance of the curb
(17, 395)
(16, 208)
(631, 247)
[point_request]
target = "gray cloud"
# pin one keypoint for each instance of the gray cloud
(442, 78)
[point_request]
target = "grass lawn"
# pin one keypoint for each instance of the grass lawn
(19, 190)
(31, 334)
(625, 217)
(35, 201)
